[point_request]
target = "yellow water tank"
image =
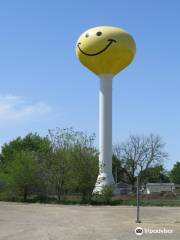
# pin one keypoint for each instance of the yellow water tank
(105, 49)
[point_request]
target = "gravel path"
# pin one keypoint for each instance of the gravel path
(63, 222)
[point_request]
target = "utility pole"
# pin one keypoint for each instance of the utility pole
(138, 200)
(116, 169)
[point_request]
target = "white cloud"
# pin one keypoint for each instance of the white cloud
(17, 108)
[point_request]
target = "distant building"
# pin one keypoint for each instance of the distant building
(123, 188)
(159, 187)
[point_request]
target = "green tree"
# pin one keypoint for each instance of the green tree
(31, 142)
(84, 170)
(175, 173)
(37, 146)
(60, 172)
(62, 142)
(155, 174)
(74, 165)
(20, 177)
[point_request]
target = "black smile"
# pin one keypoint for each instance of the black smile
(94, 54)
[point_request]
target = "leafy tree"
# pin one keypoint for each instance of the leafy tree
(74, 164)
(175, 173)
(155, 174)
(31, 142)
(59, 172)
(62, 142)
(20, 176)
(39, 147)
(84, 170)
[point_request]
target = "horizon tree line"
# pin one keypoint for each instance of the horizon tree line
(65, 163)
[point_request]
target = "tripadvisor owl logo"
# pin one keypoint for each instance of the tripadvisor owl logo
(139, 231)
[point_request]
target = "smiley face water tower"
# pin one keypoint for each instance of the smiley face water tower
(105, 51)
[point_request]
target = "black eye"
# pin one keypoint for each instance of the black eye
(99, 33)
(87, 35)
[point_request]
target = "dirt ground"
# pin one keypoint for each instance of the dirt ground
(63, 222)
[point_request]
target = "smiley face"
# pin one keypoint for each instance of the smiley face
(101, 51)
(105, 50)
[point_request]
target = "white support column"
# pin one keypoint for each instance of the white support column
(105, 177)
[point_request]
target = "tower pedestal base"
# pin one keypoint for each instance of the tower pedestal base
(105, 180)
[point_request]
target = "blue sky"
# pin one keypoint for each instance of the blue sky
(43, 85)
